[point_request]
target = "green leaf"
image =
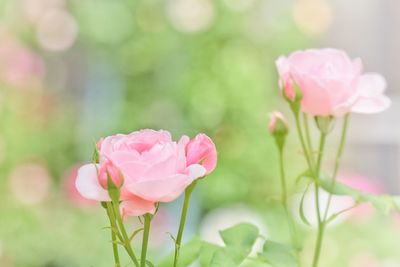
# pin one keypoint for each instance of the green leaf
(189, 252)
(222, 259)
(95, 156)
(242, 236)
(239, 240)
(207, 253)
(278, 255)
(382, 203)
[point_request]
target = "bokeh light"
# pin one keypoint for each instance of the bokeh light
(30, 183)
(19, 66)
(56, 30)
(190, 15)
(34, 10)
(313, 17)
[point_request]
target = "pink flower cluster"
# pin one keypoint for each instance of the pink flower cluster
(331, 83)
(148, 167)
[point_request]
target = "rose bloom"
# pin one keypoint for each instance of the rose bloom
(331, 83)
(148, 166)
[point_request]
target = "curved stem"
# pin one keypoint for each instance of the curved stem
(113, 235)
(125, 237)
(292, 226)
(337, 162)
(321, 223)
(145, 241)
(315, 174)
(178, 241)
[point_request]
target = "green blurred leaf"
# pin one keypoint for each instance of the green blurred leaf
(95, 156)
(382, 203)
(278, 255)
(222, 259)
(207, 253)
(189, 252)
(241, 236)
(239, 240)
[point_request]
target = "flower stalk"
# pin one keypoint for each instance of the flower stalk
(178, 241)
(113, 228)
(145, 241)
(321, 222)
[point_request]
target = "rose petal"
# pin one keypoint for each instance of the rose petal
(196, 171)
(162, 170)
(132, 170)
(88, 184)
(371, 84)
(201, 150)
(371, 87)
(181, 154)
(371, 105)
(136, 206)
(163, 190)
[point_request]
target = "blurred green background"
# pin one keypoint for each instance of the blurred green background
(73, 71)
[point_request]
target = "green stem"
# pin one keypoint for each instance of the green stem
(292, 226)
(337, 162)
(321, 223)
(307, 134)
(303, 144)
(315, 174)
(125, 237)
(145, 241)
(113, 235)
(188, 193)
(320, 235)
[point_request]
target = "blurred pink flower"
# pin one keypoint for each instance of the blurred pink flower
(30, 183)
(154, 168)
(331, 83)
(19, 66)
(364, 184)
(364, 259)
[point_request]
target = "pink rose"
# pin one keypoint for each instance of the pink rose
(201, 150)
(331, 83)
(147, 166)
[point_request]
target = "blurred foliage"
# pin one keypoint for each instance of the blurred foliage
(133, 67)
